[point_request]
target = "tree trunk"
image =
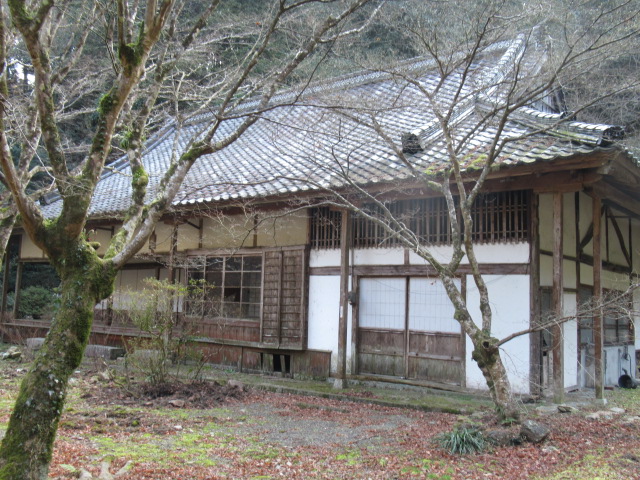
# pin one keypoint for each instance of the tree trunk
(27, 447)
(487, 356)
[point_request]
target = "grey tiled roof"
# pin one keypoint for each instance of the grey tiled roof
(313, 144)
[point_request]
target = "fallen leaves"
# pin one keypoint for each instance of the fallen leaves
(202, 432)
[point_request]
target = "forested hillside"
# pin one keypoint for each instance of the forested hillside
(402, 29)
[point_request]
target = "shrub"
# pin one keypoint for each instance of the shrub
(163, 345)
(463, 440)
(35, 302)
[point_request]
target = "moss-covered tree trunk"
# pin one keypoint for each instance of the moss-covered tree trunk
(27, 447)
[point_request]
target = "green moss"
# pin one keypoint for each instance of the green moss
(161, 449)
(480, 160)
(601, 466)
(140, 177)
(131, 54)
(107, 103)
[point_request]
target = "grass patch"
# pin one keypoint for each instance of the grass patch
(462, 441)
(603, 466)
(165, 450)
(629, 399)
(351, 457)
(425, 469)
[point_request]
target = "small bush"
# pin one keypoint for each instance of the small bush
(35, 302)
(164, 345)
(462, 441)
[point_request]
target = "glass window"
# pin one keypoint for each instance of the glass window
(227, 286)
(616, 309)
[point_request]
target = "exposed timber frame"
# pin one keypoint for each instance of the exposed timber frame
(557, 300)
(597, 297)
(535, 339)
(345, 241)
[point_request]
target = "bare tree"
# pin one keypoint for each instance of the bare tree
(144, 43)
(20, 117)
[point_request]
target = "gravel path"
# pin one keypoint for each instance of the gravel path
(324, 426)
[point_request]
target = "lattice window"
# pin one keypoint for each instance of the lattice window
(325, 228)
(497, 217)
(226, 286)
(501, 217)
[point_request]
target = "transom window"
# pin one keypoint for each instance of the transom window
(226, 286)
(497, 217)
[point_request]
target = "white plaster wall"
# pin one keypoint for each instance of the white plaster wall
(568, 272)
(490, 253)
(570, 335)
(509, 296)
(324, 258)
(324, 316)
(495, 253)
(614, 281)
(378, 256)
(614, 363)
(365, 256)
(29, 250)
(282, 228)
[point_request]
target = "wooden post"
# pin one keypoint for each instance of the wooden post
(345, 237)
(597, 298)
(173, 248)
(535, 342)
(16, 297)
(556, 300)
(280, 295)
(5, 281)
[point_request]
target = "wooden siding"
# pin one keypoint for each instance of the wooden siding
(435, 356)
(432, 356)
(381, 352)
(285, 285)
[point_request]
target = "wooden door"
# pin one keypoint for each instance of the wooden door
(406, 329)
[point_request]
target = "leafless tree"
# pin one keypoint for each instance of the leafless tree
(145, 43)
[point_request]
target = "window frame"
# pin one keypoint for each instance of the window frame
(622, 327)
(198, 279)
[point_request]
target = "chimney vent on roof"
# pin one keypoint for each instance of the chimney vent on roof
(612, 134)
(410, 143)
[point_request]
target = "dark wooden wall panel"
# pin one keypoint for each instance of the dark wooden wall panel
(284, 314)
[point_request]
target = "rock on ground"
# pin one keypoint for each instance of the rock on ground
(534, 432)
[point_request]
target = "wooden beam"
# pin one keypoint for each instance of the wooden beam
(173, 250)
(556, 300)
(16, 297)
(588, 260)
(587, 238)
(616, 198)
(280, 293)
(616, 228)
(578, 267)
(597, 299)
(345, 237)
(6, 264)
(535, 339)
(425, 270)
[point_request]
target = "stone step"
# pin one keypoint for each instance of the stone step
(92, 351)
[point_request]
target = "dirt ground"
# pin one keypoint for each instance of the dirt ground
(214, 431)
